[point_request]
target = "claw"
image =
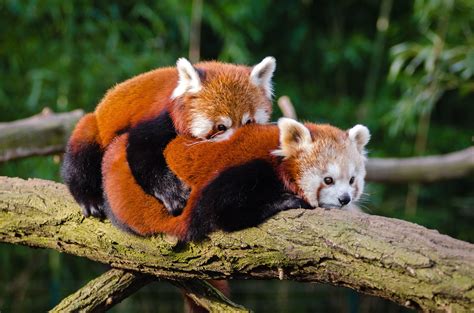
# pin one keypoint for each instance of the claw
(96, 210)
(176, 201)
(85, 210)
(92, 209)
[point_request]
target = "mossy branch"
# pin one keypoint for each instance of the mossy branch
(110, 288)
(104, 292)
(390, 258)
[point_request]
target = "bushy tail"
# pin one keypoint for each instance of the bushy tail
(128, 206)
(81, 169)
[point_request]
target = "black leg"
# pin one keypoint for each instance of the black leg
(146, 144)
(241, 197)
(81, 171)
(286, 201)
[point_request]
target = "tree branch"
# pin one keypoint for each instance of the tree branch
(43, 134)
(422, 169)
(208, 297)
(286, 107)
(390, 258)
(104, 292)
(109, 289)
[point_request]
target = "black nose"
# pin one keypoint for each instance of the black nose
(344, 199)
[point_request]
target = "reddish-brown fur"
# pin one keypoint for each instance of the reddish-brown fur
(143, 213)
(145, 96)
(86, 131)
(196, 163)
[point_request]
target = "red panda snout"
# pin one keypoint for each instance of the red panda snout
(344, 199)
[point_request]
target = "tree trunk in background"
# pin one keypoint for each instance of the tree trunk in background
(195, 32)
(373, 76)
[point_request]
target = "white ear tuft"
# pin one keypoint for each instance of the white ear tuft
(188, 79)
(262, 73)
(294, 137)
(360, 135)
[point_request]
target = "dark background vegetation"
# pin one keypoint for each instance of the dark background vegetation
(403, 68)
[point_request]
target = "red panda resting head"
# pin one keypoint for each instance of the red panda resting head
(320, 163)
(213, 99)
(326, 163)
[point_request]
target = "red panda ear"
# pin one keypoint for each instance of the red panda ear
(294, 137)
(188, 79)
(262, 73)
(360, 135)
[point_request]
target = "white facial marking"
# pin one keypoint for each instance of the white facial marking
(226, 121)
(224, 136)
(245, 118)
(200, 126)
(261, 75)
(332, 195)
(335, 195)
(351, 168)
(262, 116)
(309, 184)
(188, 79)
(334, 170)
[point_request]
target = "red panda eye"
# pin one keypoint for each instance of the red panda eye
(221, 128)
(328, 180)
(249, 121)
(351, 181)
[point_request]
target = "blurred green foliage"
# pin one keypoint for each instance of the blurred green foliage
(66, 54)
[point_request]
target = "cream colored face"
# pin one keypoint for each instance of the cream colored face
(328, 164)
(336, 184)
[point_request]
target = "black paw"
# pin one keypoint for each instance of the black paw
(92, 208)
(291, 201)
(174, 199)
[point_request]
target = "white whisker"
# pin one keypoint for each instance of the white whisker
(190, 144)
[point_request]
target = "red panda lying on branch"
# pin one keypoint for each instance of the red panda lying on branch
(208, 101)
(238, 183)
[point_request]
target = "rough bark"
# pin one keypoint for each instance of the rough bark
(109, 289)
(104, 292)
(422, 169)
(43, 134)
(207, 296)
(390, 258)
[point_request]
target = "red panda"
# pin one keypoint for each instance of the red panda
(207, 101)
(238, 183)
